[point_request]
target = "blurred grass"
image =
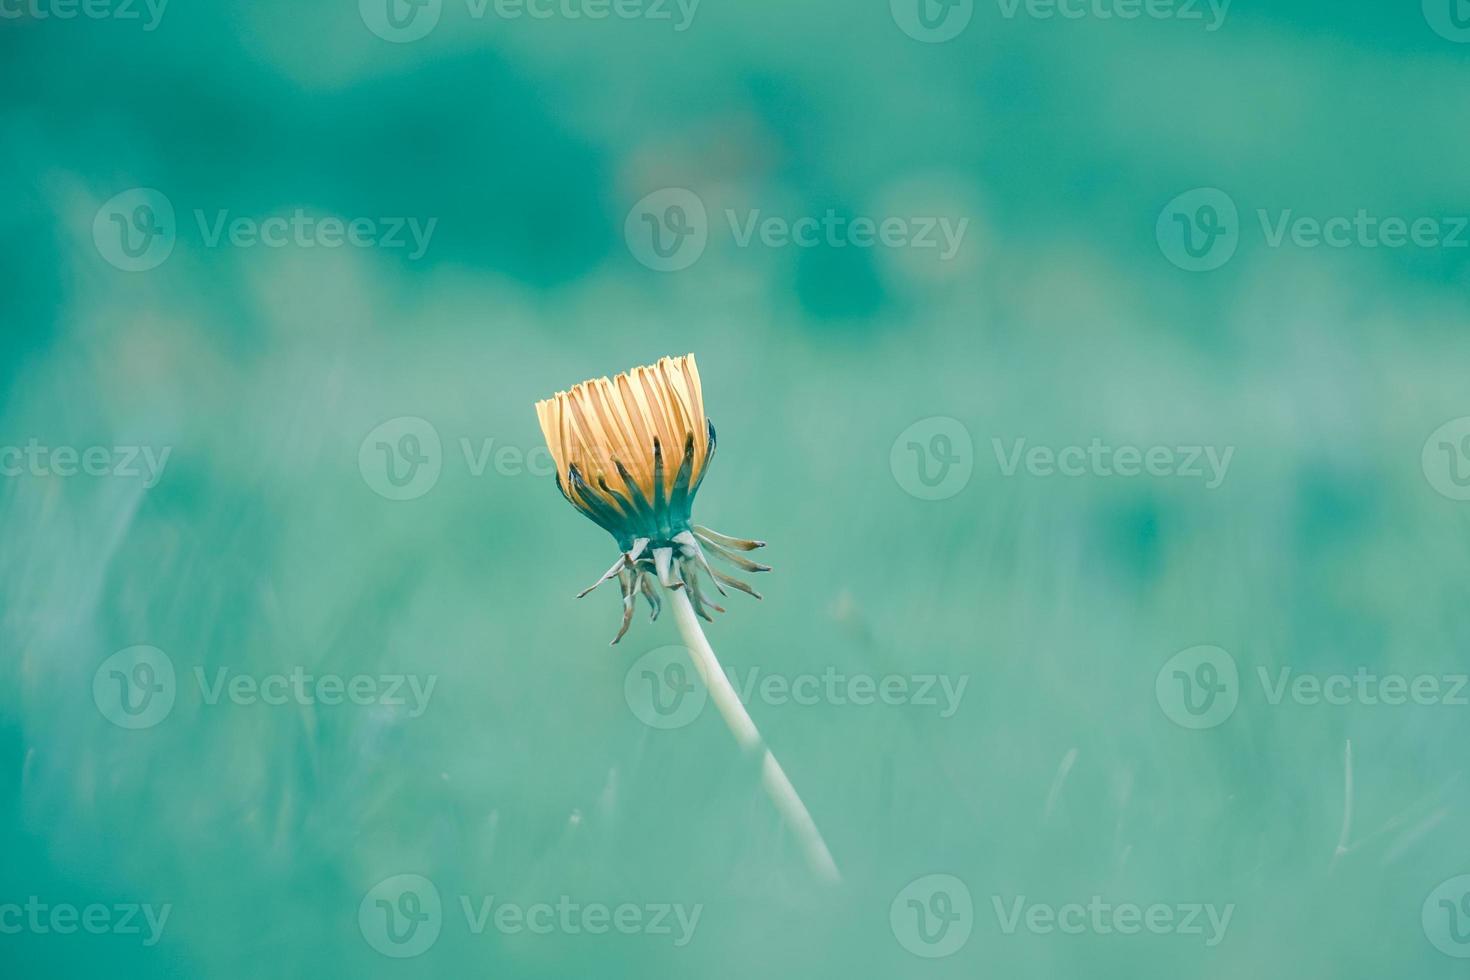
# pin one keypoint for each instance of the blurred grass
(528, 777)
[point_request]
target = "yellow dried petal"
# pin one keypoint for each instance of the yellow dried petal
(604, 420)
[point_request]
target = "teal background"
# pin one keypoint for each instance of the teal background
(528, 777)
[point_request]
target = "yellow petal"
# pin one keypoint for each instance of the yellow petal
(601, 421)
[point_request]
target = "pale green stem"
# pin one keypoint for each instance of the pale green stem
(778, 787)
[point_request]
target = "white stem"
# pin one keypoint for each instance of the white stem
(782, 793)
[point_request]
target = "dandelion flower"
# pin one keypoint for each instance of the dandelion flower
(631, 453)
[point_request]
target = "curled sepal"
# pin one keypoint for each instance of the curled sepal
(626, 560)
(663, 563)
(739, 561)
(736, 583)
(655, 604)
(626, 580)
(679, 561)
(691, 576)
(725, 541)
(691, 549)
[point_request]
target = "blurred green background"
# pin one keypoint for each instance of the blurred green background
(271, 542)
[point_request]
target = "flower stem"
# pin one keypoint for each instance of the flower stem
(778, 787)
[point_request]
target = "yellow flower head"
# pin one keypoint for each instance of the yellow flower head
(611, 439)
(630, 454)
